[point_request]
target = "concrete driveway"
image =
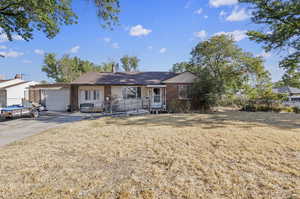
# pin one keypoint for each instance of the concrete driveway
(18, 129)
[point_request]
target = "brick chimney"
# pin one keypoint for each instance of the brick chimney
(115, 67)
(18, 76)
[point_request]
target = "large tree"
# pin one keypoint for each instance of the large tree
(181, 67)
(130, 63)
(67, 69)
(23, 17)
(281, 21)
(228, 64)
(110, 66)
(223, 69)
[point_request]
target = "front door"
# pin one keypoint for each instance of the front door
(156, 97)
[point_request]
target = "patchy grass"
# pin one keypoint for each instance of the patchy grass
(221, 155)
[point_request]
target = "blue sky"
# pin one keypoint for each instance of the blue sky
(159, 32)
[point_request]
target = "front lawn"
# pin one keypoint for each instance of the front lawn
(220, 155)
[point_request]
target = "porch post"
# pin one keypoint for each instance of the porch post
(150, 98)
(74, 98)
(165, 100)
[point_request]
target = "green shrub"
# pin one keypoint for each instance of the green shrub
(265, 108)
(231, 101)
(287, 109)
(249, 108)
(206, 91)
(296, 109)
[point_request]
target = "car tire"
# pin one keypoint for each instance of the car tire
(35, 114)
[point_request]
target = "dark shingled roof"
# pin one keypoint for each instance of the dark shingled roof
(287, 90)
(124, 78)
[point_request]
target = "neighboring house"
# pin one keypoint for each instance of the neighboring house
(121, 91)
(293, 95)
(14, 91)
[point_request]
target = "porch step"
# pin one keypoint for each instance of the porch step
(157, 110)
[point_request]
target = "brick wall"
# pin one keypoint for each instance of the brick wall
(35, 95)
(172, 92)
(74, 94)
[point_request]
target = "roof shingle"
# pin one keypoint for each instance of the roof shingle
(287, 90)
(124, 78)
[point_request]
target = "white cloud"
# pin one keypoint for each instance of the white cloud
(139, 30)
(4, 38)
(237, 35)
(238, 15)
(205, 16)
(201, 34)
(218, 3)
(75, 49)
(150, 47)
(162, 50)
(107, 39)
(17, 37)
(115, 45)
(264, 54)
(3, 47)
(222, 13)
(199, 11)
(25, 61)
(39, 51)
(12, 54)
(291, 50)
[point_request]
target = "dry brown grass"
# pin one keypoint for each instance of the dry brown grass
(221, 155)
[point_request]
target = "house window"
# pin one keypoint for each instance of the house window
(87, 95)
(96, 94)
(184, 91)
(295, 99)
(131, 92)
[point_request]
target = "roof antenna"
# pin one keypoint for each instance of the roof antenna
(20, 76)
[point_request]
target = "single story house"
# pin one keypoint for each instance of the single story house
(119, 91)
(14, 91)
(293, 94)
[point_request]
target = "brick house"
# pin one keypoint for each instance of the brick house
(122, 90)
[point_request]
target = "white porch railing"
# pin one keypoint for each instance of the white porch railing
(123, 105)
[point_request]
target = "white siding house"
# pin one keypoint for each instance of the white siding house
(12, 92)
(293, 95)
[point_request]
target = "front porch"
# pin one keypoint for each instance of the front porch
(112, 99)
